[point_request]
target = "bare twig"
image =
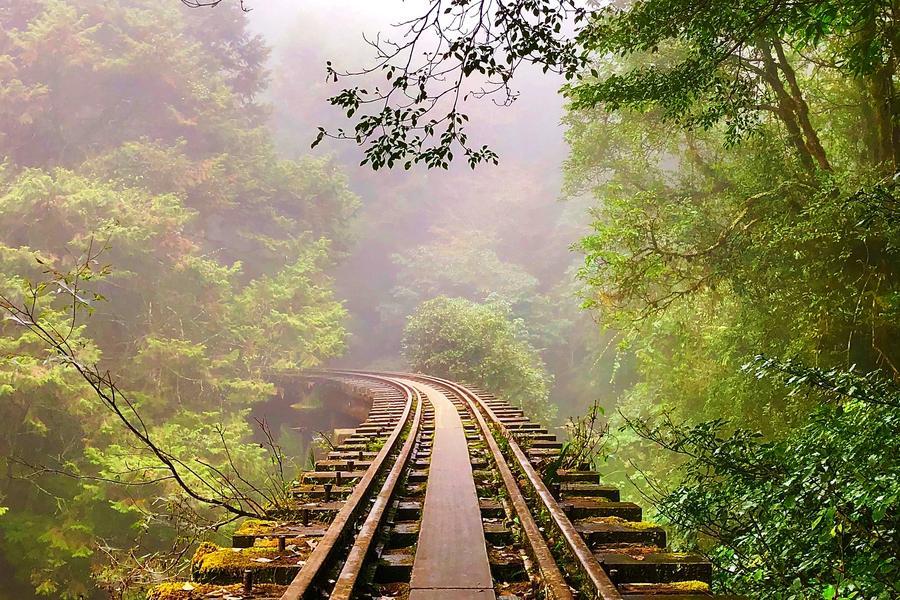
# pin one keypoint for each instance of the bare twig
(232, 492)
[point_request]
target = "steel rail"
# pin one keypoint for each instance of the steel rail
(604, 588)
(349, 576)
(557, 587)
(553, 578)
(321, 557)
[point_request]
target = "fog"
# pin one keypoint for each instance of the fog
(162, 210)
(517, 202)
(692, 284)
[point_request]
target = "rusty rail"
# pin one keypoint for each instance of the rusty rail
(557, 587)
(321, 557)
(553, 578)
(349, 576)
(604, 588)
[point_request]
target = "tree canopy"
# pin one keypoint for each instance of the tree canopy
(741, 157)
(716, 63)
(136, 127)
(480, 344)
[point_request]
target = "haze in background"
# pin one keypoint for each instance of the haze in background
(515, 204)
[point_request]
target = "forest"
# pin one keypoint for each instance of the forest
(682, 217)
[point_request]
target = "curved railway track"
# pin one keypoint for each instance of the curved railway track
(441, 493)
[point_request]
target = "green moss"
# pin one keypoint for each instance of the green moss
(181, 590)
(255, 527)
(624, 522)
(226, 565)
(691, 586)
(226, 559)
(170, 591)
(376, 444)
(202, 550)
(680, 586)
(643, 525)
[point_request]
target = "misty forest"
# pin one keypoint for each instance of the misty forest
(666, 230)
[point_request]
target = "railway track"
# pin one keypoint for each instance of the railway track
(441, 493)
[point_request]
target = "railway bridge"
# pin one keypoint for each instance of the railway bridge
(444, 492)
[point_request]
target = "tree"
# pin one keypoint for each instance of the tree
(773, 262)
(139, 128)
(732, 62)
(194, 345)
(743, 208)
(480, 344)
(811, 515)
(735, 62)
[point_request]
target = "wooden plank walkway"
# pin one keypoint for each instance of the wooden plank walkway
(451, 560)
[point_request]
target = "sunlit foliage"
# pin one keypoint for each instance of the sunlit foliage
(742, 158)
(810, 515)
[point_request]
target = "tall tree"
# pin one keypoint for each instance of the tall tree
(137, 124)
(481, 344)
(745, 205)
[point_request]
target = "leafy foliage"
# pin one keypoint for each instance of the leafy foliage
(443, 57)
(731, 63)
(704, 254)
(480, 344)
(811, 515)
(720, 63)
(131, 125)
(742, 157)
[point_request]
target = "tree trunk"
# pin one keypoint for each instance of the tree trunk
(890, 72)
(801, 109)
(785, 107)
(869, 126)
(881, 88)
(882, 92)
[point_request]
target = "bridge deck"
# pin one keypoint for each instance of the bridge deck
(451, 558)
